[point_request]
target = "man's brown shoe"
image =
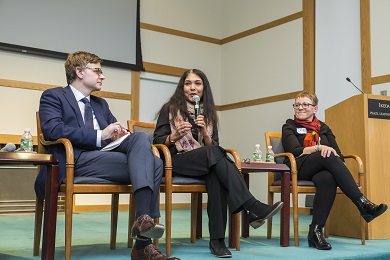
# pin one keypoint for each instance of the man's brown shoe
(144, 226)
(150, 252)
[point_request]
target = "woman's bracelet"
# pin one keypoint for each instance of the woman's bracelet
(170, 140)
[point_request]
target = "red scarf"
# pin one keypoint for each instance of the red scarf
(312, 138)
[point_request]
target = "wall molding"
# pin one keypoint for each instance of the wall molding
(193, 36)
(258, 101)
(42, 87)
(365, 43)
(164, 69)
(198, 37)
(380, 79)
(263, 27)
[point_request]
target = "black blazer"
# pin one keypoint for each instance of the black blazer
(292, 141)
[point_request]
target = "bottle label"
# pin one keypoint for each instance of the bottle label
(257, 157)
(26, 145)
(269, 157)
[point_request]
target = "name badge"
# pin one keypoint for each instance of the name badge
(302, 130)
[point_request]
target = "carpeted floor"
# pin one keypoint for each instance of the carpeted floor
(91, 240)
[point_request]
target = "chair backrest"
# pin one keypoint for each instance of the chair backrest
(147, 128)
(275, 140)
(41, 148)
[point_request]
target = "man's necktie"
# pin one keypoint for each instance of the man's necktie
(88, 117)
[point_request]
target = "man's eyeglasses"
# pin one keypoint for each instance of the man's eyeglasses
(98, 71)
(304, 105)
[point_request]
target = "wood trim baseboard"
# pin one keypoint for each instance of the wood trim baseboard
(89, 208)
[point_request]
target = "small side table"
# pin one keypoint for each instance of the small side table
(50, 215)
(247, 168)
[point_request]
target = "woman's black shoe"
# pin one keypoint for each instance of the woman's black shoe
(369, 210)
(316, 238)
(256, 218)
(218, 248)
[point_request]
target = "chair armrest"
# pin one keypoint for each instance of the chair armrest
(358, 161)
(293, 164)
(67, 145)
(155, 151)
(360, 166)
(235, 156)
(69, 155)
(293, 167)
(162, 148)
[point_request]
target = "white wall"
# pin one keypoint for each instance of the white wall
(380, 42)
(337, 52)
(18, 106)
(264, 64)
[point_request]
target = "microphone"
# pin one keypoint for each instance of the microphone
(349, 80)
(196, 99)
(10, 147)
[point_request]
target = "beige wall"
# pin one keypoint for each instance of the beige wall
(247, 68)
(260, 65)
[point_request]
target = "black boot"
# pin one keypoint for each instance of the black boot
(316, 238)
(369, 210)
(219, 249)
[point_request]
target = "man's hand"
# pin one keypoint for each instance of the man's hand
(114, 131)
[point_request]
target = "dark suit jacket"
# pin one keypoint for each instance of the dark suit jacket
(61, 118)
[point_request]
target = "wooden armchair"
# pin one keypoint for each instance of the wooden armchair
(194, 186)
(80, 185)
(298, 186)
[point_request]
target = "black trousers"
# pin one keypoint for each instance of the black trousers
(327, 173)
(224, 182)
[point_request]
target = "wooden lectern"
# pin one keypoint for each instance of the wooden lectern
(361, 125)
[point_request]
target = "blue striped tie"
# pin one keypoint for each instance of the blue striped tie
(88, 117)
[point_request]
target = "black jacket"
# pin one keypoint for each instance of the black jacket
(292, 141)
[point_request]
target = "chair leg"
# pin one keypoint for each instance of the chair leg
(295, 217)
(131, 220)
(199, 217)
(269, 221)
(327, 227)
(114, 219)
(156, 220)
(236, 219)
(68, 224)
(363, 225)
(194, 215)
(168, 222)
(38, 225)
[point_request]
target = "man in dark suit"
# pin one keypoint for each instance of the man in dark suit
(86, 120)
